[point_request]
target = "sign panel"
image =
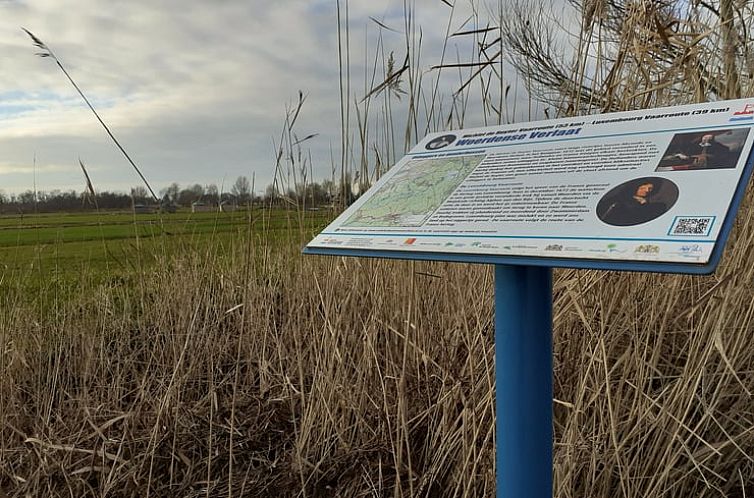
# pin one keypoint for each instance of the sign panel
(653, 189)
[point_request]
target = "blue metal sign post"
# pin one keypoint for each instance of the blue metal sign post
(523, 363)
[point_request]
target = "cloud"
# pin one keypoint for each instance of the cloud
(196, 91)
(29, 168)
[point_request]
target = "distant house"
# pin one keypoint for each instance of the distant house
(228, 207)
(143, 209)
(200, 207)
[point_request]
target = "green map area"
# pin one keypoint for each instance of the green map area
(411, 196)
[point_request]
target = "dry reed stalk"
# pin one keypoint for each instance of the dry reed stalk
(47, 52)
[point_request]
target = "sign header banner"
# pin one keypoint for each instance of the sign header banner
(656, 186)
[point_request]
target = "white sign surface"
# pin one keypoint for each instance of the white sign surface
(651, 185)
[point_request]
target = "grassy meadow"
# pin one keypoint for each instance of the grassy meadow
(38, 248)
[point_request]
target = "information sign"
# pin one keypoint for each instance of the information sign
(653, 190)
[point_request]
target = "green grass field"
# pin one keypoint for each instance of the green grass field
(40, 249)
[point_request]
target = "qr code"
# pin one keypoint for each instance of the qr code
(692, 226)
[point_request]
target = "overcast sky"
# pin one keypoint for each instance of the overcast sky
(195, 90)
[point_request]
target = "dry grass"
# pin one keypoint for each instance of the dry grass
(655, 377)
(283, 375)
(304, 376)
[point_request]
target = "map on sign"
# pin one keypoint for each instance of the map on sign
(654, 189)
(414, 193)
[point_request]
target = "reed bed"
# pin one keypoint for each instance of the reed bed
(275, 374)
(305, 377)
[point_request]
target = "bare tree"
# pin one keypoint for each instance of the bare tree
(212, 194)
(241, 189)
(170, 193)
(191, 194)
(139, 194)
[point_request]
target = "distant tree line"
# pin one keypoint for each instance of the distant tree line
(240, 194)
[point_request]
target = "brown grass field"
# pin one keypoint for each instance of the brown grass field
(282, 375)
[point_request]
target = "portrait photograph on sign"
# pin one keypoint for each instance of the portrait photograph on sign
(637, 201)
(709, 149)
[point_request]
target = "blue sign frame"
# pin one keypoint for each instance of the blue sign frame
(586, 264)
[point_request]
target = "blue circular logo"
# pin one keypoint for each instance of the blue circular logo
(440, 142)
